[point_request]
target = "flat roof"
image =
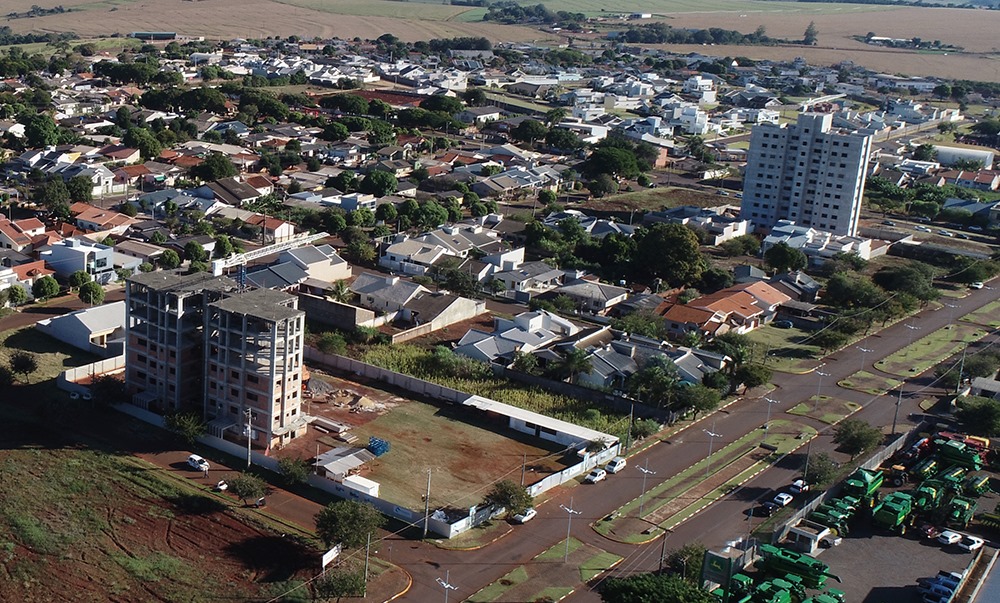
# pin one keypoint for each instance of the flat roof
(260, 303)
(583, 433)
(172, 280)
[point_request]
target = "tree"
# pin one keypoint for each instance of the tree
(529, 131)
(822, 469)
(811, 35)
(379, 183)
(55, 193)
(653, 588)
(475, 97)
(16, 295)
(214, 167)
(547, 196)
(79, 279)
(783, 258)
(361, 217)
(80, 188)
(169, 259)
(752, 375)
(144, 140)
(44, 288)
(386, 213)
(686, 561)
(92, 293)
(829, 339)
(223, 246)
(511, 496)
(294, 470)
(23, 363)
(188, 426)
(925, 152)
(525, 363)
(602, 185)
(573, 363)
(360, 252)
(106, 389)
(614, 161)
(195, 252)
(563, 139)
(347, 522)
(979, 416)
(441, 104)
(683, 265)
(697, 398)
(332, 343)
(341, 583)
(247, 486)
(855, 436)
(40, 131)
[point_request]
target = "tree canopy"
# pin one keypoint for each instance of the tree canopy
(347, 522)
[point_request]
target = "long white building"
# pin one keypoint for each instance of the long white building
(806, 173)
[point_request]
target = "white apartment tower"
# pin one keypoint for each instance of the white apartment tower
(806, 173)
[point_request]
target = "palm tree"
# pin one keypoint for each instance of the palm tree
(574, 363)
(339, 292)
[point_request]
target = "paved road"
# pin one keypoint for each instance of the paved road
(723, 521)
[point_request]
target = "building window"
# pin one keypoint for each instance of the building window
(253, 379)
(251, 397)
(234, 392)
(234, 374)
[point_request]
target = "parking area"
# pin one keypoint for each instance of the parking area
(878, 567)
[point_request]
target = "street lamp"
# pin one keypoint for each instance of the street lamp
(864, 352)
(446, 585)
(951, 313)
(913, 331)
(819, 385)
(767, 424)
(645, 473)
(249, 415)
(711, 442)
(895, 415)
(570, 512)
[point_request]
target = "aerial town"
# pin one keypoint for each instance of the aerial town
(350, 313)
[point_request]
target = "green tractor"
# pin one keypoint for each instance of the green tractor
(976, 485)
(893, 512)
(929, 495)
(952, 452)
(952, 478)
(834, 523)
(959, 512)
(991, 520)
(779, 561)
(863, 485)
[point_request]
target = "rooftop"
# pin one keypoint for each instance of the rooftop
(260, 303)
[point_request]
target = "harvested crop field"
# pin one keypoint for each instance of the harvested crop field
(226, 19)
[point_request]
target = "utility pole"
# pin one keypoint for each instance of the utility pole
(711, 441)
(767, 424)
(645, 473)
(427, 509)
(819, 384)
(524, 463)
(895, 415)
(249, 414)
(368, 550)
(628, 434)
(961, 369)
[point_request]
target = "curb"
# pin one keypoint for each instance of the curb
(510, 529)
(409, 584)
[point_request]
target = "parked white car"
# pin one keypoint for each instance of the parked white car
(970, 543)
(783, 499)
(799, 486)
(196, 462)
(616, 464)
(525, 517)
(595, 476)
(948, 538)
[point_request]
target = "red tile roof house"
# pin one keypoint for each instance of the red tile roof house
(731, 309)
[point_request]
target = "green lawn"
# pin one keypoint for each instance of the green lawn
(825, 409)
(929, 350)
(870, 383)
(547, 577)
(52, 355)
(783, 349)
(988, 315)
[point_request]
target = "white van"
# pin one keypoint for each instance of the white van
(196, 462)
(616, 464)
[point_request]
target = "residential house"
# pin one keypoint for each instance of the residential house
(530, 277)
(593, 296)
(385, 293)
(18, 235)
(526, 332)
(479, 115)
(97, 330)
(715, 222)
(797, 285)
(819, 245)
(71, 255)
(95, 219)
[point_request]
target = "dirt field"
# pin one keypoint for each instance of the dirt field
(228, 19)
(113, 529)
(465, 456)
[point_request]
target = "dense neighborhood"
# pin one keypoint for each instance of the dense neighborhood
(566, 255)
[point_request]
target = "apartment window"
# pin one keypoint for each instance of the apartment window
(140, 359)
(294, 412)
(253, 379)
(173, 354)
(233, 410)
(252, 397)
(171, 388)
(173, 371)
(211, 385)
(234, 392)
(234, 374)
